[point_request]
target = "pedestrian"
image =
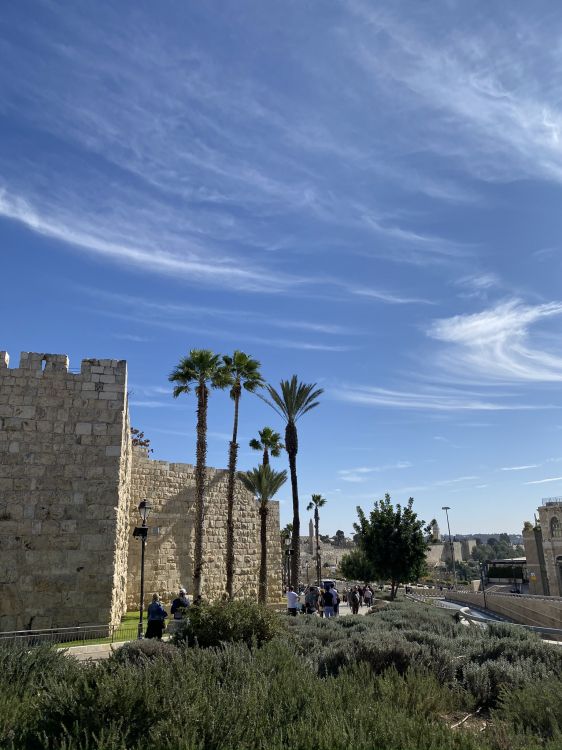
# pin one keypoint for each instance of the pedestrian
(311, 600)
(355, 601)
(336, 599)
(368, 596)
(180, 604)
(321, 602)
(292, 601)
(329, 601)
(156, 616)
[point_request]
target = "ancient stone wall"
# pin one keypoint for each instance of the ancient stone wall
(170, 487)
(63, 491)
(274, 554)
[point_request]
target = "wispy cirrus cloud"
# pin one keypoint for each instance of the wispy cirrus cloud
(363, 473)
(491, 113)
(519, 468)
(445, 399)
(545, 481)
(493, 345)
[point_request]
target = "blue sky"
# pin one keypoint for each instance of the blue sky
(365, 194)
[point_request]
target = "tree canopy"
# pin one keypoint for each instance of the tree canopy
(393, 541)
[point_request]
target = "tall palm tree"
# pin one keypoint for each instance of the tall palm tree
(200, 369)
(269, 442)
(243, 374)
(317, 502)
(292, 401)
(263, 483)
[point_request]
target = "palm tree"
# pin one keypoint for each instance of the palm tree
(201, 368)
(292, 401)
(317, 502)
(243, 374)
(269, 442)
(263, 483)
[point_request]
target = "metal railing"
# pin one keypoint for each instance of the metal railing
(78, 635)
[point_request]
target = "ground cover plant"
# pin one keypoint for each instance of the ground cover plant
(398, 679)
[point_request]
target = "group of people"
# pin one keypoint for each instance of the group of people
(156, 614)
(326, 601)
(357, 596)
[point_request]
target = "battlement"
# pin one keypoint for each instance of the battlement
(90, 369)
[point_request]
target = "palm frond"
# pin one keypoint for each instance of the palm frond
(293, 398)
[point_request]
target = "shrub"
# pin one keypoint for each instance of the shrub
(143, 651)
(226, 622)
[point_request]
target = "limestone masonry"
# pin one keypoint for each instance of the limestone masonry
(70, 484)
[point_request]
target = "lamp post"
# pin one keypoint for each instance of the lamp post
(447, 508)
(145, 506)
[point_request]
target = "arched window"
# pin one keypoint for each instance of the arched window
(555, 528)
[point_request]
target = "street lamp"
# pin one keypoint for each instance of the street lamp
(447, 508)
(145, 506)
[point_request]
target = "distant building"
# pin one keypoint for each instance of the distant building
(543, 549)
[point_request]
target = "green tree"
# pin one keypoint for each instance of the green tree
(269, 442)
(291, 402)
(264, 483)
(315, 504)
(243, 374)
(355, 566)
(201, 369)
(339, 538)
(393, 541)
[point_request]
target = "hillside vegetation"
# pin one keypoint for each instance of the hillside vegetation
(401, 678)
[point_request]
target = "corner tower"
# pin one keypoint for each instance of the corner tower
(64, 483)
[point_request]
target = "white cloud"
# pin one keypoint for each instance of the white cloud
(544, 481)
(519, 468)
(361, 473)
(494, 344)
(428, 399)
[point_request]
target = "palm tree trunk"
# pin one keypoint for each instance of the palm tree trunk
(232, 457)
(200, 481)
(265, 460)
(317, 525)
(262, 591)
(292, 446)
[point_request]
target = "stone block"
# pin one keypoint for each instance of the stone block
(83, 428)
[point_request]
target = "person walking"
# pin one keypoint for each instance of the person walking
(328, 602)
(292, 601)
(336, 600)
(156, 616)
(354, 601)
(368, 596)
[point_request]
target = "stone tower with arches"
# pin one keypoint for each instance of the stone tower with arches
(543, 548)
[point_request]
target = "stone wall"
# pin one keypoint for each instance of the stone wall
(527, 610)
(70, 484)
(274, 554)
(63, 491)
(170, 487)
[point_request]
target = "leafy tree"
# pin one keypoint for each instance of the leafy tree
(317, 502)
(291, 402)
(243, 374)
(200, 369)
(138, 439)
(355, 566)
(263, 483)
(393, 541)
(339, 538)
(326, 538)
(269, 442)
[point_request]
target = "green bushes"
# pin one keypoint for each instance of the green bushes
(397, 679)
(226, 622)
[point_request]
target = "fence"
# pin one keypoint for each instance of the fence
(78, 635)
